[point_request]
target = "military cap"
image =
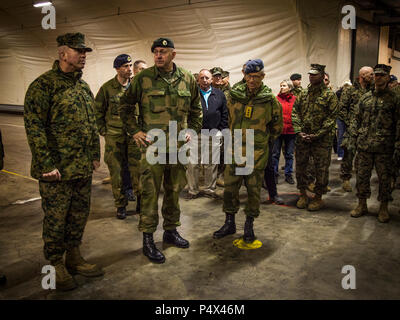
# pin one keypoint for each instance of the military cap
(317, 68)
(216, 71)
(121, 60)
(73, 40)
(225, 74)
(253, 66)
(162, 42)
(393, 78)
(295, 76)
(382, 69)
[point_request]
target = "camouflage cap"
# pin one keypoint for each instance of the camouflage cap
(73, 40)
(317, 68)
(382, 69)
(225, 74)
(163, 43)
(216, 71)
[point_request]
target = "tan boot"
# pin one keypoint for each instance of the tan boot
(347, 186)
(315, 204)
(361, 209)
(303, 200)
(64, 280)
(77, 265)
(383, 214)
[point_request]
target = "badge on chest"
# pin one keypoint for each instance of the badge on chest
(248, 112)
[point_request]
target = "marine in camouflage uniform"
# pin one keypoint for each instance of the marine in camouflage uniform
(164, 93)
(375, 133)
(62, 134)
(218, 80)
(314, 118)
(347, 104)
(251, 106)
(119, 148)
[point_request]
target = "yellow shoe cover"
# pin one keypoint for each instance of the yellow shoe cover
(241, 244)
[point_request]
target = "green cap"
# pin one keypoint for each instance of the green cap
(225, 74)
(73, 40)
(382, 69)
(317, 68)
(216, 71)
(163, 43)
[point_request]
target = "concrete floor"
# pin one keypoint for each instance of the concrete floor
(301, 258)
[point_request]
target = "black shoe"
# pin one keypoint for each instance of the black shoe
(138, 204)
(3, 279)
(249, 236)
(130, 195)
(121, 213)
(150, 250)
(277, 199)
(289, 179)
(228, 228)
(173, 237)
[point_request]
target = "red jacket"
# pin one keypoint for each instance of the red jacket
(287, 101)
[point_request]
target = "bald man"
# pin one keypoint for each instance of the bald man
(348, 101)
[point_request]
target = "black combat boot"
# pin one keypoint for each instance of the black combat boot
(138, 204)
(229, 227)
(173, 237)
(249, 236)
(150, 250)
(121, 213)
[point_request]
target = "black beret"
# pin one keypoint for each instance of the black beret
(253, 66)
(121, 60)
(162, 42)
(295, 76)
(393, 78)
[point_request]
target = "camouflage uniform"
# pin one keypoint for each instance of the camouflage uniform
(375, 130)
(314, 112)
(266, 120)
(347, 104)
(119, 147)
(161, 97)
(296, 91)
(61, 128)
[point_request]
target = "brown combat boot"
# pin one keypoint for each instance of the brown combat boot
(77, 265)
(347, 186)
(383, 214)
(64, 280)
(303, 200)
(361, 209)
(316, 203)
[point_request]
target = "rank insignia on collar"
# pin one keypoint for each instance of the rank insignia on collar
(248, 112)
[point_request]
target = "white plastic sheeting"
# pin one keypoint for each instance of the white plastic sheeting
(287, 35)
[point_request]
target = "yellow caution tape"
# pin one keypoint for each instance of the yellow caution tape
(241, 244)
(19, 175)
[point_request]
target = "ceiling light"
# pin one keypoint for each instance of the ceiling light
(38, 4)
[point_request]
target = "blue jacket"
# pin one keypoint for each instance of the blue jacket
(216, 116)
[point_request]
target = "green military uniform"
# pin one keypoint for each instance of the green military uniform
(62, 134)
(162, 97)
(375, 130)
(119, 147)
(296, 91)
(238, 83)
(1, 153)
(314, 112)
(263, 113)
(347, 105)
